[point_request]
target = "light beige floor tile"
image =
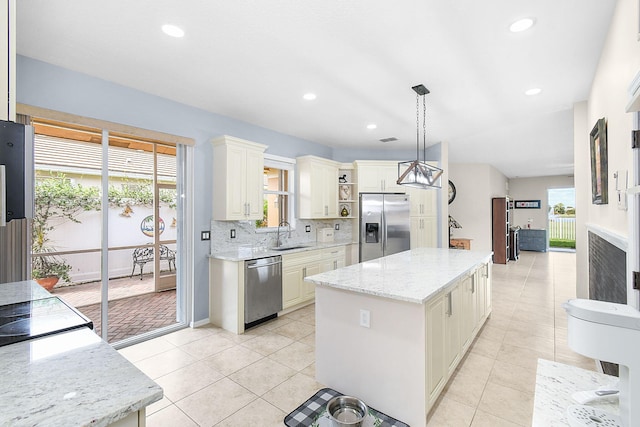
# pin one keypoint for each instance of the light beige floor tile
(295, 330)
(477, 365)
(207, 346)
(276, 323)
(185, 381)
(267, 343)
(146, 349)
(160, 404)
(514, 376)
(498, 321)
(450, 413)
(310, 371)
(527, 317)
(485, 347)
(465, 388)
(521, 356)
(215, 402)
(309, 339)
(544, 331)
(257, 413)
(508, 403)
(163, 363)
(309, 319)
(296, 356)
(533, 342)
(237, 339)
(170, 416)
(184, 336)
(293, 392)
(482, 419)
(492, 333)
(232, 359)
(262, 376)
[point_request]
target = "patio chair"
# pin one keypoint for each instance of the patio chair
(169, 255)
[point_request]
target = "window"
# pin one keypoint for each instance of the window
(278, 191)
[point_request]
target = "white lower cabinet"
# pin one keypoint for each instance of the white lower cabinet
(297, 266)
(452, 322)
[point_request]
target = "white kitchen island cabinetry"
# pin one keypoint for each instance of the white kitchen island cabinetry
(413, 339)
(317, 187)
(238, 171)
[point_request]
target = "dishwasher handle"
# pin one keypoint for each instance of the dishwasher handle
(263, 265)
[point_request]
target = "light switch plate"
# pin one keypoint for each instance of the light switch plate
(205, 235)
(307, 228)
(232, 233)
(365, 318)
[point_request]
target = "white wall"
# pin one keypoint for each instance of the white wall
(475, 185)
(619, 63)
(535, 189)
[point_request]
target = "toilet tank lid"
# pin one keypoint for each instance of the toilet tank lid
(607, 313)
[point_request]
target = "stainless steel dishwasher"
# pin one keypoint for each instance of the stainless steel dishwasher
(262, 290)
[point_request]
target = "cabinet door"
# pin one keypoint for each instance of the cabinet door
(254, 184)
(309, 289)
(389, 178)
(317, 191)
(236, 182)
(330, 183)
(436, 367)
(416, 236)
(480, 294)
(452, 329)
(468, 320)
(369, 180)
(488, 290)
(291, 289)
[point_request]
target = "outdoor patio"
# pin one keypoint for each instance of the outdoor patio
(134, 306)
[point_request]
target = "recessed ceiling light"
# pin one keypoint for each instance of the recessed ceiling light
(533, 91)
(372, 126)
(172, 30)
(309, 96)
(521, 25)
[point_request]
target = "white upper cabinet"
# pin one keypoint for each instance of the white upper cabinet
(317, 187)
(378, 176)
(238, 173)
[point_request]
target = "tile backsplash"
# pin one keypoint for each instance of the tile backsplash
(246, 234)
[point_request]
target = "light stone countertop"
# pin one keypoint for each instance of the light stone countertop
(70, 379)
(556, 382)
(412, 276)
(26, 290)
(244, 253)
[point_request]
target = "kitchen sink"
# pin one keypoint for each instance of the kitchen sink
(289, 247)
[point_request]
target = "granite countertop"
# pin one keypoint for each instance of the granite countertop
(412, 276)
(245, 253)
(68, 379)
(26, 290)
(556, 382)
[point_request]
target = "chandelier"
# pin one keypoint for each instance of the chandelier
(418, 173)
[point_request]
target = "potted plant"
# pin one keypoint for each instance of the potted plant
(47, 270)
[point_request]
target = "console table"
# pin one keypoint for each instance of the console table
(532, 239)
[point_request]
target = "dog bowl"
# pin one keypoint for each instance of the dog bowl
(346, 411)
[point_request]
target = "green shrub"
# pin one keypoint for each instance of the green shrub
(558, 243)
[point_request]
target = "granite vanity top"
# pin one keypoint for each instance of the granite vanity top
(413, 276)
(556, 382)
(245, 253)
(67, 379)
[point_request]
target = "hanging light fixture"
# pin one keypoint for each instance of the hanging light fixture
(419, 173)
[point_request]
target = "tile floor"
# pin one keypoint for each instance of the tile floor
(212, 377)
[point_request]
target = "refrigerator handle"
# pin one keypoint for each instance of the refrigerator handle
(3, 197)
(383, 231)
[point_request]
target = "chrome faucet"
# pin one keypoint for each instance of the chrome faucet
(278, 233)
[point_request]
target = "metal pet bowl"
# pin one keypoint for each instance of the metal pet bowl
(346, 411)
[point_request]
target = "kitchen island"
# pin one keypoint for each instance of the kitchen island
(70, 378)
(391, 331)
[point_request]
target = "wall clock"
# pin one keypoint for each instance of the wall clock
(452, 192)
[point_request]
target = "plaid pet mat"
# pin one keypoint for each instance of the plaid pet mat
(308, 412)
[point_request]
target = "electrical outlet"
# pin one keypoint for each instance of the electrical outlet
(233, 233)
(337, 227)
(365, 318)
(307, 228)
(205, 235)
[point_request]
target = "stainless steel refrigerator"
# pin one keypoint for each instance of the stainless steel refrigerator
(385, 225)
(16, 181)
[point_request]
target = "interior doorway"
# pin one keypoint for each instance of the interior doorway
(562, 219)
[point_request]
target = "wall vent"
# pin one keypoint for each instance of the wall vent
(391, 139)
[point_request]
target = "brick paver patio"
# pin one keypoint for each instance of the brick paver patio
(134, 307)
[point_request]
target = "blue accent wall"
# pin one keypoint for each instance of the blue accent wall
(48, 86)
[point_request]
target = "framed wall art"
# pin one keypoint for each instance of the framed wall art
(599, 182)
(527, 204)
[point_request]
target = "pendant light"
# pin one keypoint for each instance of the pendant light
(418, 173)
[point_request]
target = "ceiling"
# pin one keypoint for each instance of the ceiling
(254, 60)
